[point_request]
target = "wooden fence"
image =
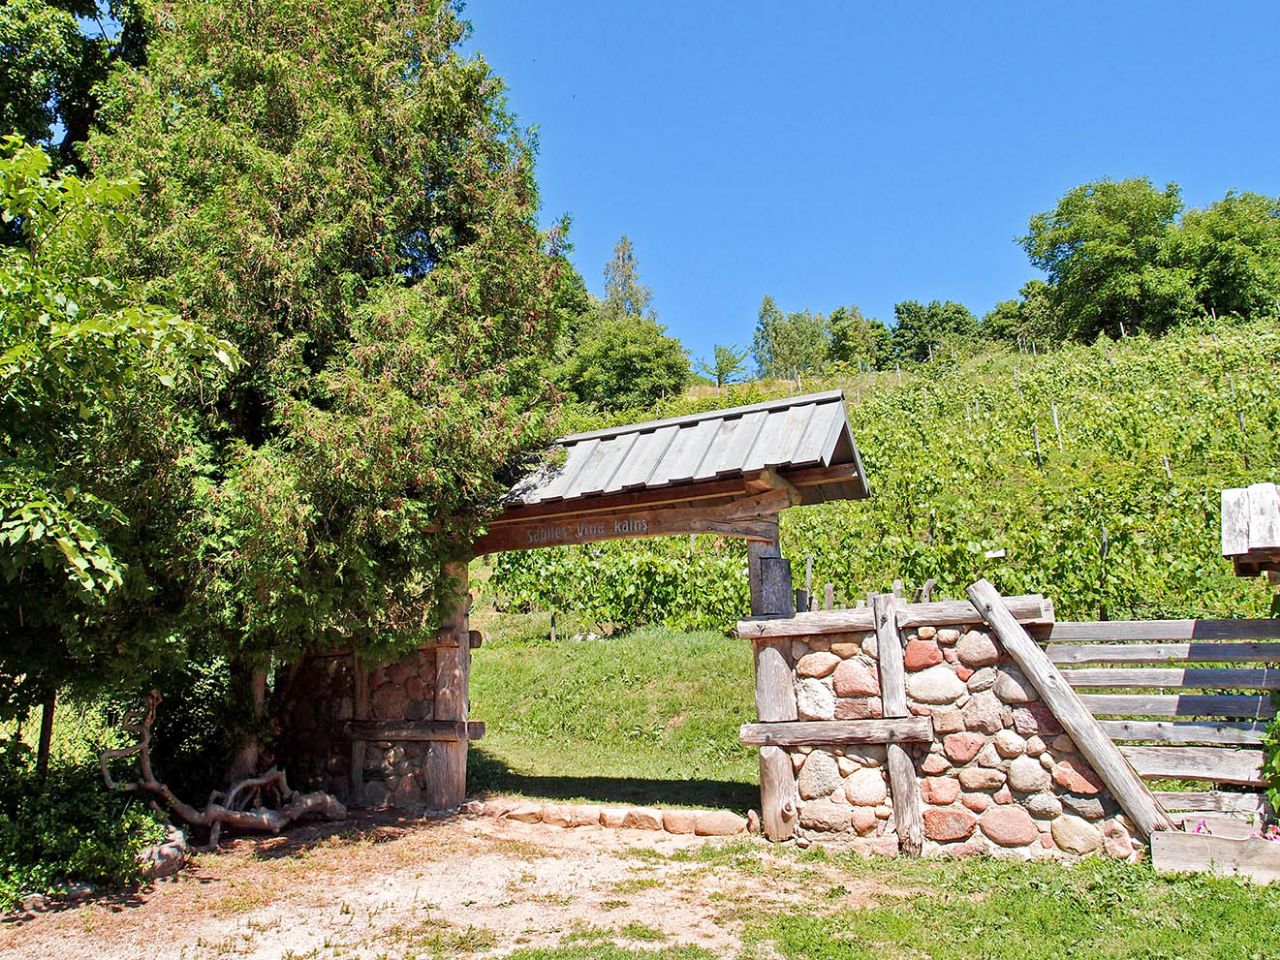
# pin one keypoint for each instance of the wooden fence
(1186, 699)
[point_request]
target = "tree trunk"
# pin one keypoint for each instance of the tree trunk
(248, 756)
(46, 736)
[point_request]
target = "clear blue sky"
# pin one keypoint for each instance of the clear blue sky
(849, 152)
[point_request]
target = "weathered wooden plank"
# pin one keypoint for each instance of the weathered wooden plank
(1208, 652)
(1264, 517)
(1164, 731)
(1235, 522)
(360, 704)
(1029, 609)
(776, 701)
(1255, 707)
(907, 814)
(1213, 801)
(893, 672)
(446, 761)
(1178, 852)
(752, 518)
(1219, 764)
(1101, 752)
(1217, 825)
(1157, 630)
(1032, 609)
(414, 730)
(904, 790)
(835, 733)
(1219, 679)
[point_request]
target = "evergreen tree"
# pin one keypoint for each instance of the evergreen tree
(339, 191)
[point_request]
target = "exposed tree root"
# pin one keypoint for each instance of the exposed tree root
(230, 808)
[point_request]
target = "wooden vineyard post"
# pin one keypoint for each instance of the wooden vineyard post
(1097, 747)
(893, 692)
(446, 766)
(776, 700)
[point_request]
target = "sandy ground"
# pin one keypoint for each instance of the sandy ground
(381, 887)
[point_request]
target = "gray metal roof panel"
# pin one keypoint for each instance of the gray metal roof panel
(789, 433)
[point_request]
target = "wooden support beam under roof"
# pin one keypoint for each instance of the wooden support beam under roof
(704, 473)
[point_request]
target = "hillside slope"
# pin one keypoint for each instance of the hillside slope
(1113, 511)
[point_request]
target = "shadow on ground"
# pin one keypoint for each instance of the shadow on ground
(489, 774)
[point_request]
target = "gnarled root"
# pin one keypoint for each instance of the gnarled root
(230, 808)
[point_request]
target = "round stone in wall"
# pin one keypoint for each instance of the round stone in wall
(1012, 687)
(865, 787)
(817, 665)
(1009, 826)
(815, 701)
(1043, 806)
(819, 776)
(976, 649)
(935, 685)
(1026, 775)
(1076, 835)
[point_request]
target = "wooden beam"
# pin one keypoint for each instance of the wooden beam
(776, 701)
(682, 494)
(1137, 678)
(1103, 755)
(1235, 522)
(1030, 610)
(753, 518)
(1177, 852)
(1157, 630)
(1208, 652)
(1219, 764)
(447, 636)
(1213, 801)
(1163, 731)
(836, 733)
(905, 790)
(1033, 609)
(446, 763)
(360, 711)
(414, 730)
(1257, 707)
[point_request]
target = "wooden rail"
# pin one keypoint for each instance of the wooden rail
(1209, 730)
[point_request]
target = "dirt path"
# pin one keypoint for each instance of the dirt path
(400, 889)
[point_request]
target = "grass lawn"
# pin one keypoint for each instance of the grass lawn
(646, 717)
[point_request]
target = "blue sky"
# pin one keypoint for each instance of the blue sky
(830, 153)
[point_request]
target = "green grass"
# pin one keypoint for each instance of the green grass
(999, 910)
(650, 716)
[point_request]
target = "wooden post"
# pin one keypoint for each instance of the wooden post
(446, 766)
(359, 711)
(757, 550)
(44, 746)
(776, 700)
(828, 596)
(893, 693)
(1103, 755)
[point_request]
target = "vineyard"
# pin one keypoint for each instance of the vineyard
(1091, 474)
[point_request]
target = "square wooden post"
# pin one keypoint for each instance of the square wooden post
(446, 766)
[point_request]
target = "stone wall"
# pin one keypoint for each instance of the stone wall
(1000, 777)
(316, 749)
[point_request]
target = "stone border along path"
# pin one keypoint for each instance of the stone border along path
(702, 823)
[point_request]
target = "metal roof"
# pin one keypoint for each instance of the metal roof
(789, 434)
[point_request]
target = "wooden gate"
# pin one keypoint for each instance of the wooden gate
(1187, 700)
